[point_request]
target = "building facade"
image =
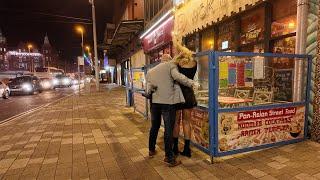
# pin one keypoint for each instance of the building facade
(24, 58)
(3, 50)
(50, 55)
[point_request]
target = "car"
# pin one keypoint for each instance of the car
(62, 81)
(4, 90)
(46, 83)
(25, 85)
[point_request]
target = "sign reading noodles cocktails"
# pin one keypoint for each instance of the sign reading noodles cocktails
(241, 130)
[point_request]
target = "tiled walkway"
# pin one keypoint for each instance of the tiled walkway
(95, 136)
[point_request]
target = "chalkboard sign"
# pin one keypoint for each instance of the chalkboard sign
(283, 81)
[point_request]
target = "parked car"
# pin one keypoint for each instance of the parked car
(4, 90)
(25, 85)
(62, 81)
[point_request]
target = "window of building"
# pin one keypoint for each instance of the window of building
(191, 42)
(0, 49)
(19, 50)
(227, 36)
(1, 57)
(4, 49)
(252, 26)
(207, 39)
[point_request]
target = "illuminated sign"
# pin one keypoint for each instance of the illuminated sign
(15, 53)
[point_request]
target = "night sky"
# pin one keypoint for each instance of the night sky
(25, 20)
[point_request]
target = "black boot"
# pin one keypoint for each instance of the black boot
(175, 146)
(186, 151)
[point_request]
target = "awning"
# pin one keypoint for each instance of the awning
(125, 31)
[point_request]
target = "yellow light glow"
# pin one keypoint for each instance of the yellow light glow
(291, 25)
(88, 48)
(79, 29)
(30, 46)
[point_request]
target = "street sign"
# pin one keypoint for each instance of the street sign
(80, 61)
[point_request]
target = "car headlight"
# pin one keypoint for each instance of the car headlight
(46, 84)
(55, 81)
(27, 87)
(75, 81)
(66, 81)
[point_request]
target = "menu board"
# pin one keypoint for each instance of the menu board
(283, 84)
(139, 103)
(199, 120)
(223, 74)
(240, 74)
(232, 75)
(239, 130)
(248, 74)
(138, 79)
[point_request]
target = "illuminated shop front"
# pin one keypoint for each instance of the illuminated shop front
(249, 99)
(157, 40)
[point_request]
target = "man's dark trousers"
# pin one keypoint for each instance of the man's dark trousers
(168, 113)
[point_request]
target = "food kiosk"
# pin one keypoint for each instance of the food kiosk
(247, 101)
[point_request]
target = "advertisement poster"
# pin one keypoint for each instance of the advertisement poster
(199, 120)
(241, 130)
(248, 74)
(138, 79)
(223, 74)
(232, 76)
(258, 70)
(240, 74)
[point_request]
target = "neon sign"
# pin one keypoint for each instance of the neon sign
(15, 53)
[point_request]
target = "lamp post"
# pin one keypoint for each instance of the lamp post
(32, 65)
(95, 43)
(80, 30)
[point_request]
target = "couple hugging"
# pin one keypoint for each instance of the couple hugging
(170, 86)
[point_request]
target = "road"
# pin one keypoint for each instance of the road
(22, 103)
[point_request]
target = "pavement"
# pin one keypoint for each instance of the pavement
(94, 136)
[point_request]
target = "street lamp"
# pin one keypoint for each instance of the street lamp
(80, 30)
(95, 43)
(29, 48)
(88, 48)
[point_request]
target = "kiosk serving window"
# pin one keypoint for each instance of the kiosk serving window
(253, 81)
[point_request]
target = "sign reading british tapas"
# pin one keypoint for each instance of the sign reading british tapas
(159, 36)
(241, 130)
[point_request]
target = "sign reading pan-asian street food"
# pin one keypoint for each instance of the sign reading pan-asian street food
(241, 130)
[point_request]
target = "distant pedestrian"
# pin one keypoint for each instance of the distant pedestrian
(164, 98)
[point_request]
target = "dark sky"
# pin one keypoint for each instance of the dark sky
(24, 20)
